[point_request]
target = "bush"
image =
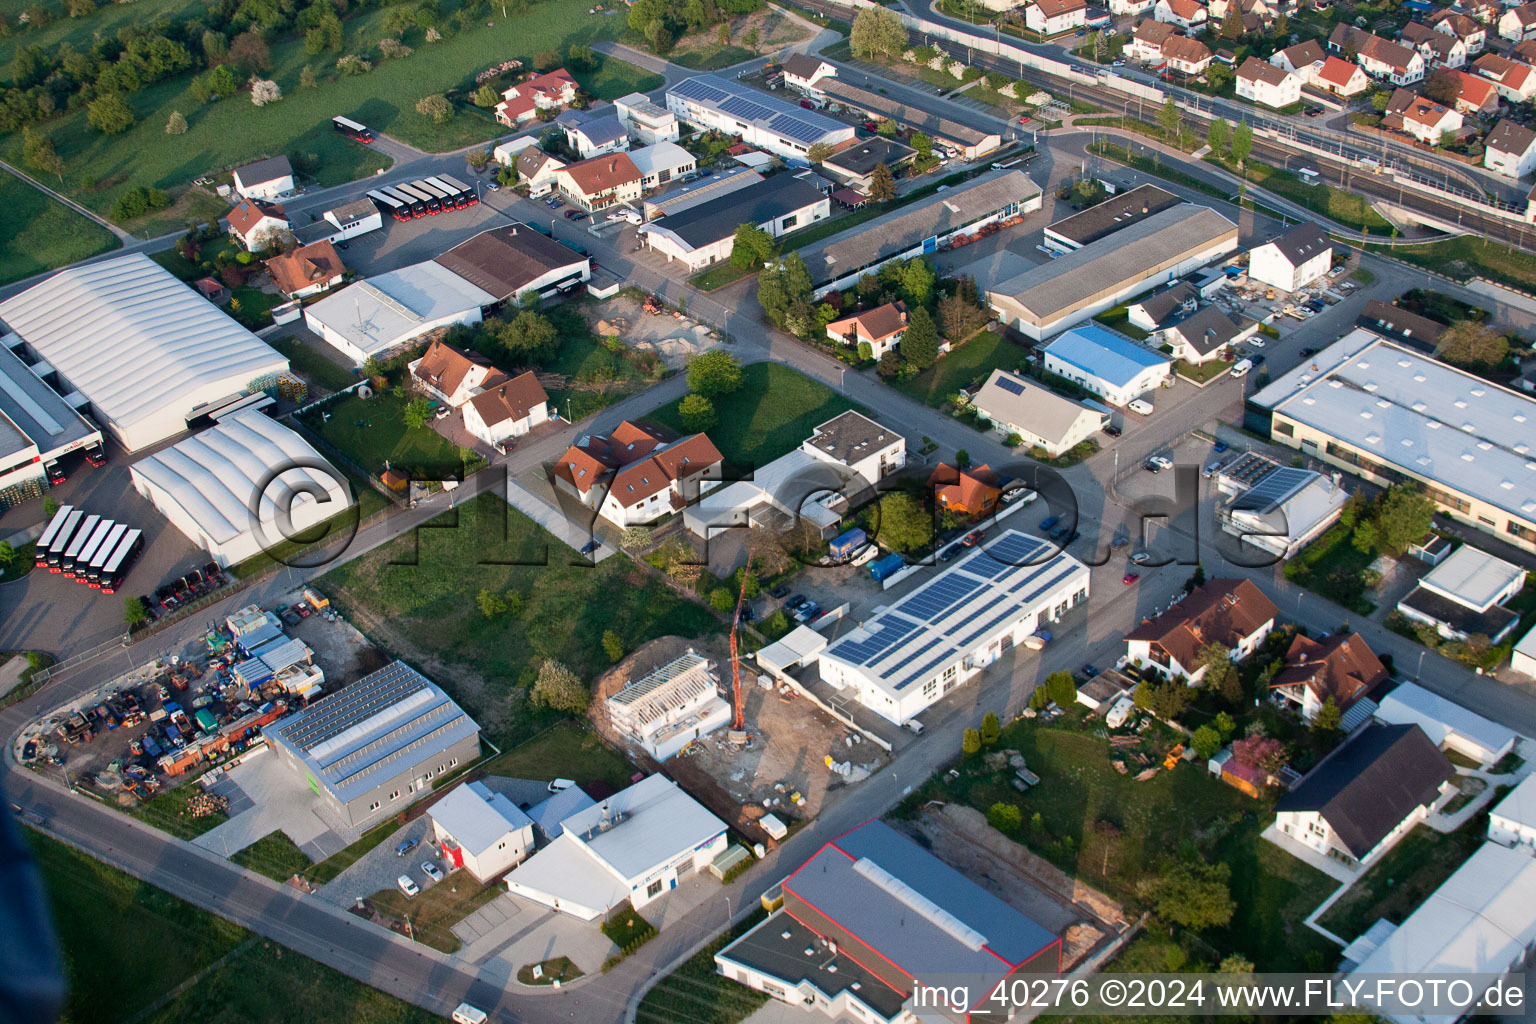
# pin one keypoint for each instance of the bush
(970, 742)
(721, 599)
(991, 729)
(1005, 817)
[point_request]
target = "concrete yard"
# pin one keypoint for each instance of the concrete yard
(265, 796)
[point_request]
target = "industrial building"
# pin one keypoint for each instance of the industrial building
(507, 262)
(370, 749)
(855, 165)
(662, 163)
(922, 227)
(384, 313)
(781, 128)
(946, 631)
(1153, 250)
(1512, 821)
(1110, 365)
(1114, 213)
(242, 486)
(1387, 413)
(137, 350)
(1284, 510)
(700, 190)
(873, 916)
(670, 707)
(633, 847)
(37, 428)
(1448, 725)
(481, 831)
(706, 233)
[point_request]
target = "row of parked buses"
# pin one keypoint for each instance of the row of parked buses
(89, 548)
(425, 198)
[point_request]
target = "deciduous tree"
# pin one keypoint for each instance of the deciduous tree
(110, 114)
(249, 53)
(491, 603)
(1242, 143)
(177, 125)
(903, 524)
(1005, 817)
(697, 412)
(715, 374)
(752, 247)
(1206, 741)
(1194, 895)
(1220, 135)
(417, 413)
(558, 687)
(436, 107)
(1472, 345)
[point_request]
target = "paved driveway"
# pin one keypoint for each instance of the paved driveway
(265, 797)
(379, 867)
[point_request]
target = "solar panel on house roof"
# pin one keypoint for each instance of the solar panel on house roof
(1008, 384)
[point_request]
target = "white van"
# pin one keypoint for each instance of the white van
(466, 1014)
(1241, 367)
(1140, 405)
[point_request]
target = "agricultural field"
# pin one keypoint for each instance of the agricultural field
(225, 134)
(38, 233)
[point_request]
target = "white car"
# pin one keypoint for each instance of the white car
(407, 886)
(1257, 341)
(1161, 462)
(431, 871)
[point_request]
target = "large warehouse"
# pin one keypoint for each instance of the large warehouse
(511, 260)
(207, 484)
(142, 348)
(1385, 412)
(706, 233)
(948, 630)
(36, 427)
(783, 129)
(377, 316)
(1151, 251)
(371, 748)
(920, 228)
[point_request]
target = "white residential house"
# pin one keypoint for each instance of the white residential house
(1053, 17)
(880, 328)
(1231, 612)
(1267, 84)
(507, 410)
(1463, 27)
(804, 71)
(663, 482)
(603, 181)
(1523, 658)
(522, 102)
(1187, 56)
(662, 163)
(1147, 41)
(1134, 7)
(1189, 15)
(1465, 595)
(852, 441)
(1305, 59)
(1342, 78)
(451, 376)
(1515, 81)
(1510, 149)
(265, 179)
(259, 225)
(538, 170)
(1381, 58)
(1437, 48)
(1293, 260)
(481, 831)
(1518, 23)
(592, 134)
(1040, 417)
(1512, 821)
(1207, 333)
(646, 121)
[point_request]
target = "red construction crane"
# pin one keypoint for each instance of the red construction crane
(739, 722)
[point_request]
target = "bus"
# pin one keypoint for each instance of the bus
(93, 571)
(434, 195)
(456, 197)
(394, 207)
(117, 567)
(470, 198)
(71, 553)
(83, 560)
(61, 539)
(50, 532)
(352, 130)
(430, 204)
(416, 205)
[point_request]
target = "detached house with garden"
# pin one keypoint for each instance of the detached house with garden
(1231, 613)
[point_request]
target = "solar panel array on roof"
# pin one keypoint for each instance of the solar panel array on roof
(1273, 489)
(740, 106)
(893, 629)
(944, 594)
(700, 89)
(1008, 384)
(335, 716)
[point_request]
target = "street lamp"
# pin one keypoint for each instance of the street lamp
(1418, 672)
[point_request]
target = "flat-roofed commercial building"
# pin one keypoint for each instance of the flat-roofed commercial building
(920, 228)
(706, 233)
(1387, 413)
(971, 142)
(700, 190)
(1114, 213)
(758, 119)
(948, 630)
(1111, 366)
(377, 316)
(36, 427)
(1154, 250)
(371, 748)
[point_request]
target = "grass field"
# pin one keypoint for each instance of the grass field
(168, 812)
(127, 945)
(373, 431)
(438, 907)
(772, 412)
(1331, 566)
(226, 134)
(275, 856)
(697, 994)
(1185, 809)
(38, 233)
(1348, 208)
(718, 276)
(1394, 886)
(563, 751)
(597, 376)
(613, 78)
(424, 586)
(971, 363)
(1467, 257)
(315, 367)
(1201, 373)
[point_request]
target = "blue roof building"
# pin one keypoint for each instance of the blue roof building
(1108, 364)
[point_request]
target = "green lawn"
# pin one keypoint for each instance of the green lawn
(275, 856)
(1331, 565)
(1467, 257)
(696, 994)
(597, 376)
(564, 751)
(1123, 155)
(372, 431)
(1118, 319)
(614, 78)
(289, 551)
(970, 364)
(772, 412)
(1348, 208)
(38, 233)
(1201, 373)
(718, 276)
(127, 945)
(226, 134)
(424, 586)
(1182, 810)
(560, 969)
(1394, 887)
(438, 907)
(314, 366)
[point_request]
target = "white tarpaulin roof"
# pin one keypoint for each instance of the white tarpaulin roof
(797, 648)
(141, 345)
(209, 481)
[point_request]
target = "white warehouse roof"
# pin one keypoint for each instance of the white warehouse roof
(1440, 718)
(206, 485)
(376, 315)
(143, 347)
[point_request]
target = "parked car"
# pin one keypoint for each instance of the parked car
(406, 846)
(807, 612)
(973, 538)
(1049, 521)
(950, 552)
(778, 591)
(579, 216)
(794, 603)
(571, 214)
(431, 871)
(1220, 446)
(407, 886)
(1141, 557)
(1161, 462)
(493, 186)
(1130, 577)
(1089, 670)
(464, 1013)
(1112, 430)
(1257, 341)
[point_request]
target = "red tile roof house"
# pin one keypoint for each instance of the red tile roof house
(600, 182)
(1341, 667)
(506, 409)
(258, 225)
(1381, 58)
(1342, 78)
(1424, 119)
(1053, 17)
(1187, 55)
(881, 328)
(1231, 612)
(1437, 48)
(1515, 81)
(1187, 14)
(451, 376)
(549, 91)
(633, 477)
(966, 492)
(307, 270)
(1476, 95)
